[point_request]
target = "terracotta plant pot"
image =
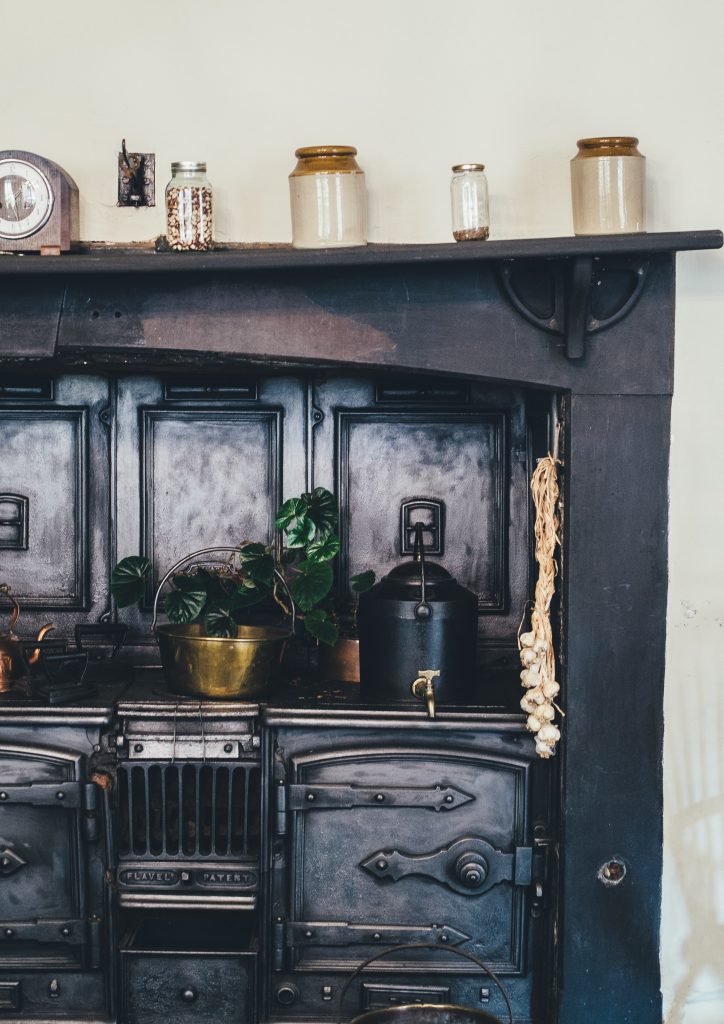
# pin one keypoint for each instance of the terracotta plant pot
(340, 664)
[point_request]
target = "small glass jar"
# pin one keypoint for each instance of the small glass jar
(608, 186)
(469, 195)
(189, 207)
(328, 197)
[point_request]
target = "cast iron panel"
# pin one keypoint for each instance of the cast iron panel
(42, 900)
(206, 472)
(45, 458)
(332, 889)
(461, 458)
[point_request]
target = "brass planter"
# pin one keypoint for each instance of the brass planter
(235, 668)
(426, 1013)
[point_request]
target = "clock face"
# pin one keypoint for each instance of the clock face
(26, 199)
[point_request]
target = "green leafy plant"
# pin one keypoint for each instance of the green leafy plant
(219, 597)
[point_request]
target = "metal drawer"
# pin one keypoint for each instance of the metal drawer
(177, 985)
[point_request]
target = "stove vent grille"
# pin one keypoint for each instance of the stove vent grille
(182, 811)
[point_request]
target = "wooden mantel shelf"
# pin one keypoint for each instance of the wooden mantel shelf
(114, 260)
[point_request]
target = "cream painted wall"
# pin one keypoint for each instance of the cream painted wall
(418, 85)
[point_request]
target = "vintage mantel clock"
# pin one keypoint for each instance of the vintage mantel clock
(38, 204)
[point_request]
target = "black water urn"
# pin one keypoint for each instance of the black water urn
(417, 636)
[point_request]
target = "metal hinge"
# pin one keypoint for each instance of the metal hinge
(433, 798)
(73, 796)
(542, 849)
(73, 932)
(45, 794)
(342, 933)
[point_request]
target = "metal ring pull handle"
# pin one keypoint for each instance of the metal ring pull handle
(212, 551)
(423, 609)
(5, 589)
(431, 945)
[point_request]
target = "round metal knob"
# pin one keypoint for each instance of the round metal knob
(287, 994)
(471, 869)
(189, 994)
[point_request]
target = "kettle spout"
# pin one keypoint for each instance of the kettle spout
(424, 689)
(32, 658)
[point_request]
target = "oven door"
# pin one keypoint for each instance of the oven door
(388, 846)
(47, 817)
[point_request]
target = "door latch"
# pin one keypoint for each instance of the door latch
(470, 865)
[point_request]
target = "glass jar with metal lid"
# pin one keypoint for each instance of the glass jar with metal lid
(189, 207)
(328, 197)
(469, 194)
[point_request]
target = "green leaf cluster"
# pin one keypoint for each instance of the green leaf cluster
(220, 597)
(309, 525)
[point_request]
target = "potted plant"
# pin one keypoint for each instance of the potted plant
(218, 598)
(208, 607)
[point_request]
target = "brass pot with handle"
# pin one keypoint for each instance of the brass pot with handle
(12, 662)
(428, 1013)
(242, 667)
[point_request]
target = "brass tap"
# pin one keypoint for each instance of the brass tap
(424, 689)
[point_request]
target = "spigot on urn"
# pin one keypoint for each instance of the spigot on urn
(423, 688)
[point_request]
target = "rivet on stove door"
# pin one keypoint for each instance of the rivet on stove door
(449, 798)
(377, 936)
(228, 747)
(9, 932)
(381, 865)
(60, 795)
(310, 797)
(137, 748)
(3, 796)
(380, 797)
(65, 930)
(444, 937)
(309, 934)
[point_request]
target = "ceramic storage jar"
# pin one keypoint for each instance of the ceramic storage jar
(328, 197)
(608, 183)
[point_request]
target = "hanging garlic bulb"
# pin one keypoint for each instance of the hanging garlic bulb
(530, 677)
(536, 645)
(550, 689)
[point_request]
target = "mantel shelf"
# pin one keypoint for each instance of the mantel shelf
(112, 260)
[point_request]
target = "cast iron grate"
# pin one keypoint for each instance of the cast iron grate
(188, 810)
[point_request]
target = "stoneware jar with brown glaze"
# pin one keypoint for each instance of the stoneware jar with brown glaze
(608, 183)
(328, 197)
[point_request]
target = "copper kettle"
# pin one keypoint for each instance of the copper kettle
(11, 648)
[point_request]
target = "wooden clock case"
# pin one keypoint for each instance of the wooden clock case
(61, 231)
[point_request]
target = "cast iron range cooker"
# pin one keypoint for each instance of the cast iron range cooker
(109, 358)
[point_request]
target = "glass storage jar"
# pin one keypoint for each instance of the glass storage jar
(328, 198)
(608, 186)
(189, 207)
(469, 195)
